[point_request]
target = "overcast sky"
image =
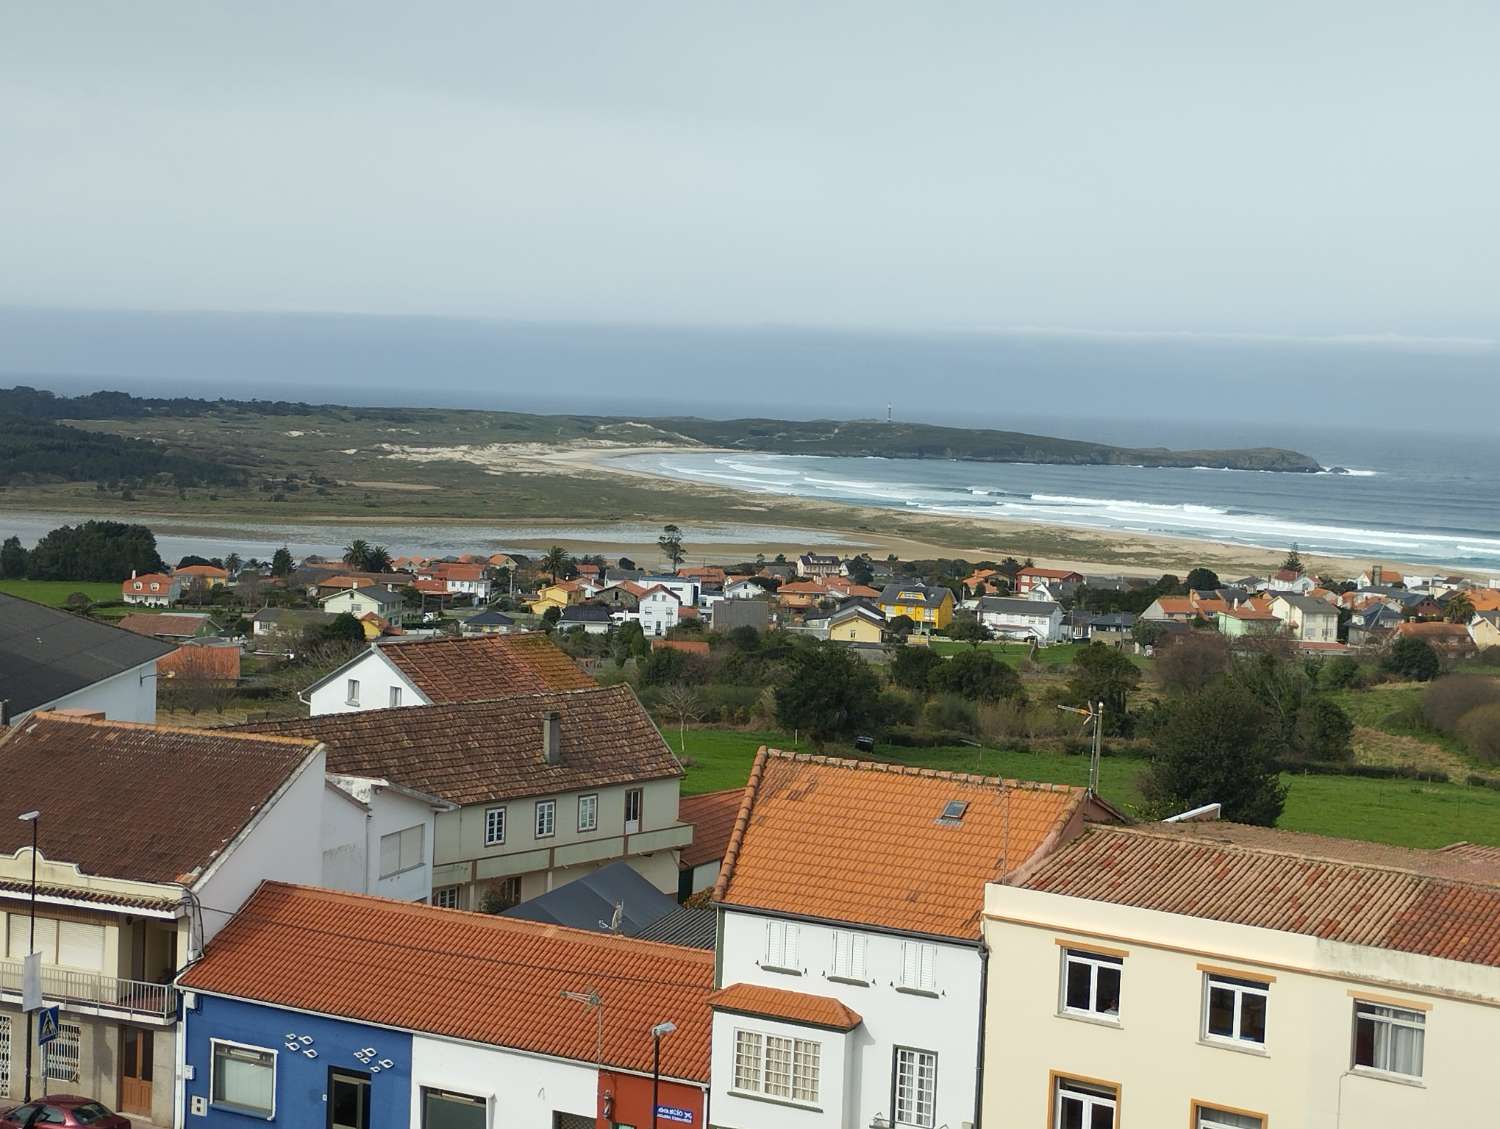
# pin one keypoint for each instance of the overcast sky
(1282, 167)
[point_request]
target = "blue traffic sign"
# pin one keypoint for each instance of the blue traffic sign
(46, 1025)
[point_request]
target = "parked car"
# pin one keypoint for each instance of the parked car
(64, 1109)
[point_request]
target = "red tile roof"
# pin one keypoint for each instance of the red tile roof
(865, 841)
(1433, 903)
(213, 571)
(143, 582)
(472, 669)
(176, 626)
(179, 795)
(712, 815)
(778, 1003)
(475, 752)
(218, 664)
(470, 976)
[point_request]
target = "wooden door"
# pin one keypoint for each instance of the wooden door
(135, 1070)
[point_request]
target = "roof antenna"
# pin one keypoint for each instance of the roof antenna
(614, 919)
(1093, 715)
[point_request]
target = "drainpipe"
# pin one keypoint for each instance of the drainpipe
(984, 987)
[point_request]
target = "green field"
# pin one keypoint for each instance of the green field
(1013, 654)
(1402, 812)
(54, 592)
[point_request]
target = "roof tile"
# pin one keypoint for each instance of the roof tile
(778, 1003)
(470, 669)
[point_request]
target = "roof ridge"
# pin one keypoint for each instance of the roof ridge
(185, 730)
(898, 769)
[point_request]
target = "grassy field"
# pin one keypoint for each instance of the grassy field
(1014, 654)
(54, 592)
(1402, 812)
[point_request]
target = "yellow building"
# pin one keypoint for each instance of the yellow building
(856, 625)
(559, 595)
(928, 606)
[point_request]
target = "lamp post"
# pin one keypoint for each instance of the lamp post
(33, 818)
(660, 1031)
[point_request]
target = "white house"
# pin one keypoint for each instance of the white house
(659, 610)
(377, 837)
(1311, 620)
(745, 588)
(151, 589)
(1012, 618)
(850, 959)
(687, 589)
(426, 672)
(1290, 580)
(363, 601)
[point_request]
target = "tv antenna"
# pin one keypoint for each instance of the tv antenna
(1093, 715)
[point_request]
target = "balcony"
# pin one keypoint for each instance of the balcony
(94, 993)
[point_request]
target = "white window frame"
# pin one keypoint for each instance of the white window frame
(781, 953)
(213, 1060)
(1093, 961)
(1207, 1117)
(492, 818)
(403, 846)
(1404, 1017)
(544, 819)
(794, 1064)
(395, 702)
(848, 962)
(1087, 1094)
(1240, 987)
(918, 967)
(588, 801)
(913, 1092)
(351, 692)
(447, 897)
(640, 810)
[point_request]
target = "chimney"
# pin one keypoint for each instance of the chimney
(1377, 574)
(552, 737)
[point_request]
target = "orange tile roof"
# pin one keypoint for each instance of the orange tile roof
(460, 571)
(1047, 573)
(1177, 605)
(218, 664)
(778, 1003)
(712, 815)
(1429, 629)
(143, 582)
(201, 570)
(862, 841)
(347, 582)
(432, 586)
(166, 623)
(1433, 903)
(470, 976)
(1484, 599)
(477, 668)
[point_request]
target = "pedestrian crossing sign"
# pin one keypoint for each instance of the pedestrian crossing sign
(46, 1025)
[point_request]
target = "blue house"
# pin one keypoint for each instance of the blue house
(253, 1062)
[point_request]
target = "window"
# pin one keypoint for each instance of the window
(781, 946)
(348, 1099)
(1389, 1038)
(917, 960)
(395, 697)
(73, 944)
(1091, 984)
(244, 1078)
(494, 826)
(849, 955)
(634, 804)
(401, 851)
(546, 818)
(915, 1099)
(1208, 1117)
(443, 1109)
(588, 812)
(352, 695)
(1235, 1009)
(1081, 1105)
(445, 897)
(777, 1066)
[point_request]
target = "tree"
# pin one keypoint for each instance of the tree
(281, 562)
(1479, 730)
(1202, 580)
(1460, 609)
(343, 629)
(78, 603)
(1190, 661)
(12, 559)
(1323, 732)
(1413, 659)
(627, 564)
(378, 559)
(551, 616)
(628, 641)
(1103, 674)
(193, 559)
(670, 543)
(966, 628)
(232, 565)
(1218, 746)
(978, 676)
(900, 626)
(912, 667)
(94, 550)
(683, 703)
(555, 562)
(357, 553)
(828, 692)
(1293, 560)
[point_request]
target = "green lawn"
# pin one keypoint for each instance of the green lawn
(55, 592)
(1012, 654)
(1402, 812)
(1390, 709)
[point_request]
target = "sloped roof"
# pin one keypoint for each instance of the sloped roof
(928, 595)
(1010, 605)
(46, 653)
(476, 752)
(712, 816)
(180, 795)
(469, 976)
(778, 1003)
(174, 624)
(488, 666)
(866, 842)
(589, 902)
(218, 663)
(1433, 903)
(696, 927)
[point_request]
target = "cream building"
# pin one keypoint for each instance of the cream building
(1231, 977)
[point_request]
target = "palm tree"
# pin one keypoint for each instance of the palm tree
(378, 559)
(232, 564)
(357, 553)
(555, 561)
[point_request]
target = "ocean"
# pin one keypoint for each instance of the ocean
(1419, 498)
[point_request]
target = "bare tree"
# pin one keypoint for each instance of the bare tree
(682, 702)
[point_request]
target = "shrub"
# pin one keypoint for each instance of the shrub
(1191, 661)
(1340, 673)
(952, 713)
(1490, 656)
(1323, 732)
(1479, 730)
(1414, 659)
(1448, 699)
(976, 675)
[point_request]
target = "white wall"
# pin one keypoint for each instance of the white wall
(343, 843)
(351, 842)
(376, 677)
(391, 811)
(127, 696)
(836, 1081)
(522, 1090)
(659, 613)
(947, 1025)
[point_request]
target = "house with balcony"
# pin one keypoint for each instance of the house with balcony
(928, 606)
(545, 786)
(1026, 619)
(1292, 981)
(851, 965)
(147, 839)
(425, 672)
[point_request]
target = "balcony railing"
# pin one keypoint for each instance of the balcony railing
(94, 990)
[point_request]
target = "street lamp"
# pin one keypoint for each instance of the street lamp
(33, 818)
(659, 1032)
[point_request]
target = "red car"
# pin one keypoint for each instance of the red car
(63, 1109)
